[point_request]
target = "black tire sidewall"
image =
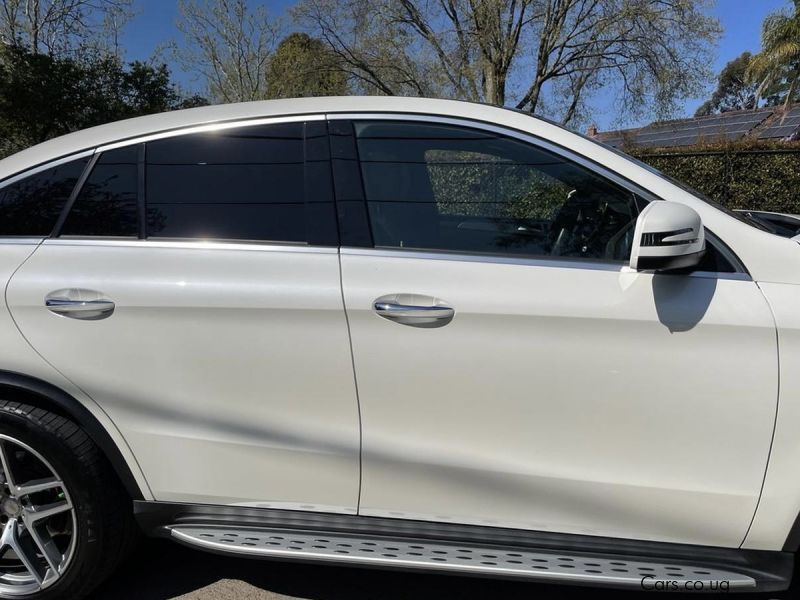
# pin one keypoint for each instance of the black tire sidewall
(82, 485)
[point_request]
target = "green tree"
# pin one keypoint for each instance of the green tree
(43, 96)
(778, 64)
(734, 90)
(304, 66)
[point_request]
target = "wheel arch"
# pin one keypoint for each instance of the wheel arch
(24, 388)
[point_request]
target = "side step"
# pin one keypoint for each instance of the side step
(492, 561)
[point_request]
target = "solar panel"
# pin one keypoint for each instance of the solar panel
(727, 126)
(782, 127)
(617, 139)
(723, 127)
(614, 142)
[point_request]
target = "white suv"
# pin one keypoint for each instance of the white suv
(392, 332)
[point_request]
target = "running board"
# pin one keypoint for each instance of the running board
(461, 558)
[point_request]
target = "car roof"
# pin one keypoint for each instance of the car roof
(89, 139)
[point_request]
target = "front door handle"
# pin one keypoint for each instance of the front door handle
(414, 310)
(86, 305)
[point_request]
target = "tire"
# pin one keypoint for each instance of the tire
(93, 528)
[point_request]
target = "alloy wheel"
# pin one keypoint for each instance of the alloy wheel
(37, 521)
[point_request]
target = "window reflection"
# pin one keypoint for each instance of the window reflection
(107, 203)
(450, 188)
(31, 206)
(244, 184)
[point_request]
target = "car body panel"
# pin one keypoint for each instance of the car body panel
(18, 356)
(564, 398)
(780, 498)
(226, 367)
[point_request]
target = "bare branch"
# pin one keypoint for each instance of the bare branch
(228, 45)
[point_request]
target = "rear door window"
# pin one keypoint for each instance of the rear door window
(264, 183)
(245, 183)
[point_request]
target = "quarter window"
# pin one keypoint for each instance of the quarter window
(240, 184)
(107, 204)
(440, 187)
(31, 206)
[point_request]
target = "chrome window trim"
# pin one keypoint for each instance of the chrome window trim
(21, 241)
(45, 166)
(483, 258)
(255, 246)
(210, 128)
(561, 151)
(558, 263)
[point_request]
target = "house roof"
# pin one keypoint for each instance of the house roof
(763, 124)
(785, 127)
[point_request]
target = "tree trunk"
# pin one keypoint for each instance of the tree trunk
(494, 85)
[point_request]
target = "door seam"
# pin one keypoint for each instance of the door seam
(775, 419)
(355, 384)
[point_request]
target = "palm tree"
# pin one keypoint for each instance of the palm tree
(779, 59)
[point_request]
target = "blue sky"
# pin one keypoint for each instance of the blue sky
(741, 22)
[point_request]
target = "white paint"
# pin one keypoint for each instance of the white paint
(228, 371)
(560, 397)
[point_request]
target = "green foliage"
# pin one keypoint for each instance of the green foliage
(777, 66)
(734, 91)
(741, 175)
(304, 66)
(43, 96)
(776, 91)
(474, 184)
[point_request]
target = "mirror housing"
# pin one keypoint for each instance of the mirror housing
(667, 236)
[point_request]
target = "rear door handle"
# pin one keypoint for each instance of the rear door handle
(86, 305)
(414, 310)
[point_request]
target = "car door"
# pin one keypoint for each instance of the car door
(513, 372)
(193, 292)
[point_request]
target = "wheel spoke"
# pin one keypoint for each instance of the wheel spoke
(38, 485)
(37, 513)
(24, 549)
(47, 547)
(4, 463)
(39, 516)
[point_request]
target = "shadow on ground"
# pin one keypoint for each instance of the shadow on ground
(162, 570)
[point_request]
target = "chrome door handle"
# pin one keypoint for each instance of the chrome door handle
(417, 315)
(79, 304)
(389, 310)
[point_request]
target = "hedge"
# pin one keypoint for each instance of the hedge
(738, 175)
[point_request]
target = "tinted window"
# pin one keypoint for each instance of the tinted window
(31, 206)
(107, 203)
(245, 183)
(449, 188)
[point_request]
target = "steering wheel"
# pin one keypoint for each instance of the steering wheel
(578, 226)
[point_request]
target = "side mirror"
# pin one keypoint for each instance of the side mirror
(667, 236)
